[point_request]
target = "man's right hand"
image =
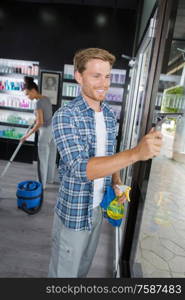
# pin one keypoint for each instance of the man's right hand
(149, 146)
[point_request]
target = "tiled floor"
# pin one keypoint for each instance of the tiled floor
(161, 248)
(25, 240)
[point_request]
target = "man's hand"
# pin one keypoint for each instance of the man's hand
(118, 192)
(150, 145)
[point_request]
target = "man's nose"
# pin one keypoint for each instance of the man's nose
(104, 82)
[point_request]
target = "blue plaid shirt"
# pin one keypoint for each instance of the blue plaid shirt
(75, 137)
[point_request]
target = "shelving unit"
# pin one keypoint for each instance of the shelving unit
(70, 88)
(114, 96)
(16, 110)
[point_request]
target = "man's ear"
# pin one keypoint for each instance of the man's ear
(78, 77)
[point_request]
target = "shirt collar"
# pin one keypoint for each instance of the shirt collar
(84, 106)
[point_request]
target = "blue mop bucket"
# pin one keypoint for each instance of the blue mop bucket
(29, 196)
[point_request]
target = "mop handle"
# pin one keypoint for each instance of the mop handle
(15, 152)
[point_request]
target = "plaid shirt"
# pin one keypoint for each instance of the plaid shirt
(75, 137)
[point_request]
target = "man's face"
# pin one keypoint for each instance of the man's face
(95, 80)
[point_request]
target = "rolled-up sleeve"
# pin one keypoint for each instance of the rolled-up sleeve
(72, 148)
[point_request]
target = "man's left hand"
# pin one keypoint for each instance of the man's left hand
(121, 199)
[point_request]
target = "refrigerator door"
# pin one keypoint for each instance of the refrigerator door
(133, 118)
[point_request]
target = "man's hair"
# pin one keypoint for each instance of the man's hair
(83, 56)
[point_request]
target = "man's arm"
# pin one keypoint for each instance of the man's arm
(116, 179)
(149, 146)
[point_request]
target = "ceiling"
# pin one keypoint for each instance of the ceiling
(123, 4)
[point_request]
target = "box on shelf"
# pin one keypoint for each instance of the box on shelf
(115, 94)
(68, 71)
(70, 89)
(118, 76)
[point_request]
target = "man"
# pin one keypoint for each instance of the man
(85, 133)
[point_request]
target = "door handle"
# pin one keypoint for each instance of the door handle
(160, 118)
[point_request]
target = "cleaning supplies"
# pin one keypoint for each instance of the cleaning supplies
(112, 209)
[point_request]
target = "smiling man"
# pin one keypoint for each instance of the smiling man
(85, 135)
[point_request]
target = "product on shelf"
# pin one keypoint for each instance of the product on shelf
(68, 71)
(11, 66)
(13, 133)
(9, 84)
(173, 99)
(16, 110)
(16, 101)
(118, 76)
(70, 89)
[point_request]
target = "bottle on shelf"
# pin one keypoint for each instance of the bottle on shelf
(118, 76)
(10, 66)
(13, 101)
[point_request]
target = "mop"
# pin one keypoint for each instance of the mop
(10, 161)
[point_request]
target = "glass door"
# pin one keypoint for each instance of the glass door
(134, 111)
(158, 248)
(150, 57)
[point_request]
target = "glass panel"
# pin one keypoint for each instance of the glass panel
(160, 251)
(132, 124)
(135, 102)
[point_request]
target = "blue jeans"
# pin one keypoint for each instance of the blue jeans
(47, 155)
(73, 251)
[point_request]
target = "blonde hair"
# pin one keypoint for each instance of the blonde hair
(83, 56)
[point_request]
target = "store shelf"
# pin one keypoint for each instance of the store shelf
(12, 92)
(17, 109)
(6, 138)
(14, 125)
(16, 75)
(118, 85)
(69, 80)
